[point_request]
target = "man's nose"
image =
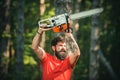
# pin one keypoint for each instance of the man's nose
(63, 47)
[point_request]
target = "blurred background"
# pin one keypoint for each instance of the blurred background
(97, 36)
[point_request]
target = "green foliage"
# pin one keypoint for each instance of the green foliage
(31, 17)
(110, 35)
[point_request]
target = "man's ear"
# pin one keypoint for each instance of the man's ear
(53, 48)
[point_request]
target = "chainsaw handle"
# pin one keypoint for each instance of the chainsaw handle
(45, 27)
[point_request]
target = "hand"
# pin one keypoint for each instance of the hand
(43, 28)
(70, 22)
(70, 30)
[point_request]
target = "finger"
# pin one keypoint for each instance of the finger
(70, 30)
(43, 25)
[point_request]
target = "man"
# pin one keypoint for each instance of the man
(60, 65)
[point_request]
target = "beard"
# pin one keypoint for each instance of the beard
(59, 55)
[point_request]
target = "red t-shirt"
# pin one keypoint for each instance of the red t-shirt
(54, 69)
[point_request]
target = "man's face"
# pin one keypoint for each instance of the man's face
(60, 50)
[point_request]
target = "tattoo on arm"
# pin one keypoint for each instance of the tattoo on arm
(72, 46)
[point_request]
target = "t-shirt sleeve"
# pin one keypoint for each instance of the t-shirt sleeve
(45, 58)
(71, 65)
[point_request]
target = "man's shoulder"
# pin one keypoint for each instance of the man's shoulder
(49, 54)
(47, 57)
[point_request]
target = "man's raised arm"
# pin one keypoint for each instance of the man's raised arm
(73, 49)
(36, 45)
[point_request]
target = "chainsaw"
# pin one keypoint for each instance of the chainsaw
(57, 23)
(61, 22)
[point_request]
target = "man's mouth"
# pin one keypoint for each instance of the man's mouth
(62, 51)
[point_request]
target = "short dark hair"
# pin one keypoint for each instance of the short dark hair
(57, 39)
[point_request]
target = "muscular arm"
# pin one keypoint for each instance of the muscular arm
(35, 45)
(73, 49)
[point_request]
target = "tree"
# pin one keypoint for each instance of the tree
(95, 52)
(94, 48)
(20, 41)
(42, 11)
(63, 6)
(4, 38)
